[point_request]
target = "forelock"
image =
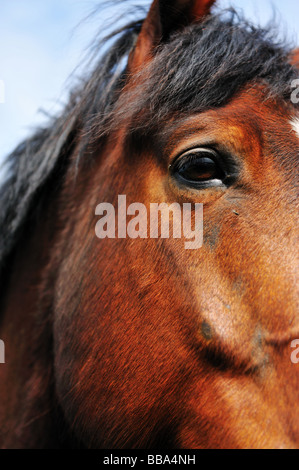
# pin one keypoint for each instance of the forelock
(203, 67)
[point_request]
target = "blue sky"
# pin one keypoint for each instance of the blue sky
(42, 42)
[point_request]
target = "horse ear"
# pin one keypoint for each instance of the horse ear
(164, 18)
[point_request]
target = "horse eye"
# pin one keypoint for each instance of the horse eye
(199, 168)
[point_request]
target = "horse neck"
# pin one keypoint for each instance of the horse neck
(27, 405)
(28, 408)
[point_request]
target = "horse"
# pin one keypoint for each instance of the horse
(140, 343)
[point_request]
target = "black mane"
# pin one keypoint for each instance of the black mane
(202, 68)
(199, 68)
(32, 164)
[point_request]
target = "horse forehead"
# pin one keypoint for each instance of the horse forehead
(244, 122)
(250, 108)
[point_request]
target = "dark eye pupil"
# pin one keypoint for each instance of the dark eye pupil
(202, 169)
(199, 168)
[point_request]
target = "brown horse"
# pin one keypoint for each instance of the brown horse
(140, 343)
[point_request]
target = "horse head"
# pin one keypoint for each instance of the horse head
(153, 344)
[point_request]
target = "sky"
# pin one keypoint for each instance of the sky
(42, 43)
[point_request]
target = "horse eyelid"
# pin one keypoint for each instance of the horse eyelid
(195, 150)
